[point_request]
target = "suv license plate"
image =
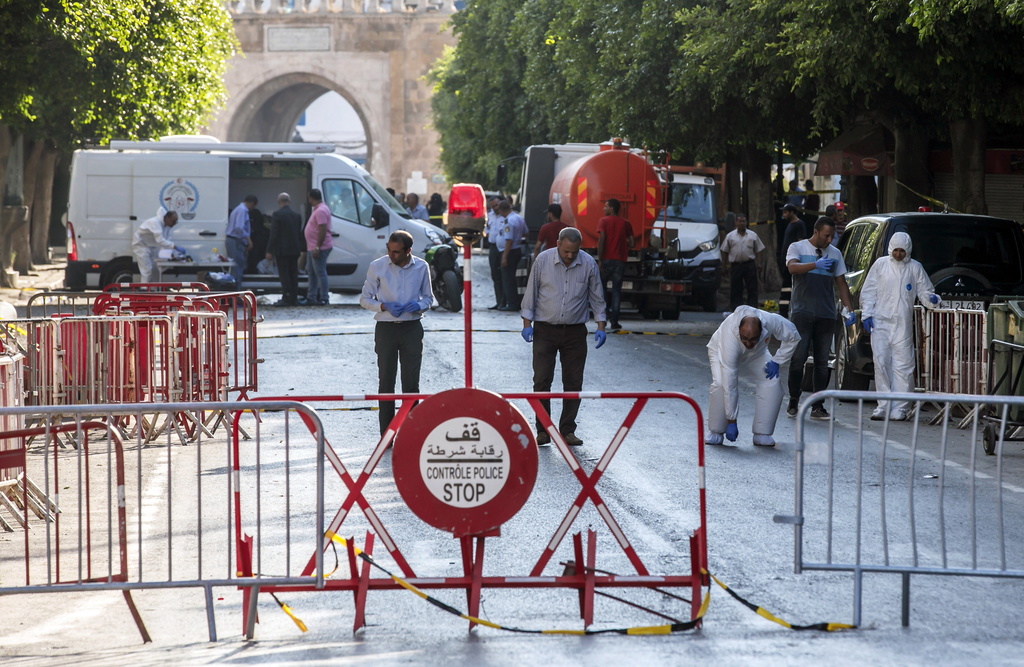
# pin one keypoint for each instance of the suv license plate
(960, 304)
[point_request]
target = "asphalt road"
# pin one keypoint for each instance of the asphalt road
(649, 488)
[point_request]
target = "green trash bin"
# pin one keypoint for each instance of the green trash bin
(1006, 324)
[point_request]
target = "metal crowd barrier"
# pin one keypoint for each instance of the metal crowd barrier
(952, 351)
(265, 522)
(905, 498)
(113, 514)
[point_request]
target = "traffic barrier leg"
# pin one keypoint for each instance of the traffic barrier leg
(359, 621)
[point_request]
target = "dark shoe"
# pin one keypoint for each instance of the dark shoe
(543, 439)
(820, 414)
(496, 306)
(615, 326)
(572, 440)
(791, 409)
(507, 309)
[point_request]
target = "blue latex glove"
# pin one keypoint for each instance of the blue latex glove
(732, 432)
(411, 307)
(394, 308)
(771, 370)
(850, 320)
(868, 324)
(825, 264)
(528, 334)
(600, 337)
(181, 251)
(934, 298)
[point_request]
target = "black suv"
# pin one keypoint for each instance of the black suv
(969, 258)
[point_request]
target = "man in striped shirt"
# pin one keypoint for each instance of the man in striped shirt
(563, 289)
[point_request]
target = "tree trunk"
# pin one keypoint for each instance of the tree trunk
(39, 228)
(911, 167)
(757, 167)
(863, 196)
(734, 200)
(6, 142)
(969, 137)
(11, 217)
(20, 235)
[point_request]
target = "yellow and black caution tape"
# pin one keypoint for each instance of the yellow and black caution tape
(645, 630)
(288, 610)
(760, 611)
(941, 204)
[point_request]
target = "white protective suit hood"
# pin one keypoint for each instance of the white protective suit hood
(900, 240)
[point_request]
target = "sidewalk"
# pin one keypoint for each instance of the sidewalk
(42, 278)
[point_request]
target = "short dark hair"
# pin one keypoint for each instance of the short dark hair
(401, 236)
(790, 207)
(252, 199)
(824, 222)
(316, 195)
(503, 205)
(555, 210)
(614, 204)
(831, 210)
(752, 321)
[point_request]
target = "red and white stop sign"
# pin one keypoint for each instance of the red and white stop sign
(465, 461)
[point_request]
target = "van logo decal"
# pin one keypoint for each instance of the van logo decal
(181, 197)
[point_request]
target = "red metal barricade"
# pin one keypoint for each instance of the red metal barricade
(583, 573)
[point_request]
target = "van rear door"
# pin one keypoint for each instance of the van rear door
(356, 241)
(100, 204)
(194, 186)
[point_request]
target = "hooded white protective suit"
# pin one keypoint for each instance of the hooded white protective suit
(728, 357)
(151, 236)
(888, 296)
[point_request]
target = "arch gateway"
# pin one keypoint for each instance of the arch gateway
(374, 53)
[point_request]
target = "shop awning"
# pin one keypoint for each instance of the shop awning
(858, 152)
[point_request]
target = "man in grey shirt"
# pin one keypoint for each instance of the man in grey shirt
(397, 289)
(563, 288)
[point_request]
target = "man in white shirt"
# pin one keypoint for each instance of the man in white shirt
(741, 248)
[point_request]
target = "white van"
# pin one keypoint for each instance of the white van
(114, 190)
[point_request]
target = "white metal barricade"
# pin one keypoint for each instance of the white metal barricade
(907, 498)
(122, 516)
(952, 351)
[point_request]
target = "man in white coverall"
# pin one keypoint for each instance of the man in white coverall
(887, 313)
(741, 345)
(152, 236)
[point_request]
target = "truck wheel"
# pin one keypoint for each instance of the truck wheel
(708, 301)
(670, 315)
(119, 271)
(453, 291)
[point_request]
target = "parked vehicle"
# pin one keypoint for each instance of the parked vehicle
(969, 258)
(113, 191)
(676, 260)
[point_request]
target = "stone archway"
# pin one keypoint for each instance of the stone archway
(270, 110)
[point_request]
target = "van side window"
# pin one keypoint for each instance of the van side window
(347, 200)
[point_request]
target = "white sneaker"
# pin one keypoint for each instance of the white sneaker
(764, 440)
(713, 438)
(899, 416)
(878, 414)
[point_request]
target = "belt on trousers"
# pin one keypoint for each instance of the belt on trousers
(397, 321)
(561, 326)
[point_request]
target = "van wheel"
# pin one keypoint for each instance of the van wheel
(119, 271)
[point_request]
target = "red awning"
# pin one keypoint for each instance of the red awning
(859, 152)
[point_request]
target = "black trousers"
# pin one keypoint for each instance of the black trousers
(742, 275)
(508, 278)
(288, 272)
(815, 334)
(569, 343)
(494, 260)
(397, 343)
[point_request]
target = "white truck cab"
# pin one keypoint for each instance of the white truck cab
(691, 217)
(114, 190)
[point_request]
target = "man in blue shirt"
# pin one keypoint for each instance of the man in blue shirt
(397, 290)
(512, 229)
(238, 237)
(417, 210)
(563, 288)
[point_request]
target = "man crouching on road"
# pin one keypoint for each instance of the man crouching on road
(741, 344)
(397, 289)
(564, 286)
